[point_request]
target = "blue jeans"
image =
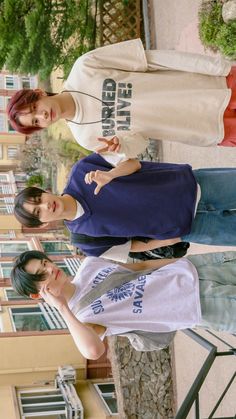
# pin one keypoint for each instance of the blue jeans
(215, 220)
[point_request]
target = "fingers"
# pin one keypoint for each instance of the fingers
(112, 145)
(97, 189)
(101, 149)
(89, 177)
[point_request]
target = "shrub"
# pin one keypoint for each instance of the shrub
(214, 32)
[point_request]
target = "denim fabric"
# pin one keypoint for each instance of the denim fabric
(215, 220)
(217, 284)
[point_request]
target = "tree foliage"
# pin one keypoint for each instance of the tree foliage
(39, 35)
(36, 180)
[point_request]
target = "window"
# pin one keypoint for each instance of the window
(25, 82)
(41, 317)
(13, 248)
(12, 152)
(42, 403)
(12, 82)
(4, 177)
(5, 269)
(107, 393)
(56, 248)
(6, 189)
(10, 234)
(6, 205)
(29, 319)
(20, 177)
(10, 128)
(12, 295)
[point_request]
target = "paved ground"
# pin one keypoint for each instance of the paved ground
(174, 26)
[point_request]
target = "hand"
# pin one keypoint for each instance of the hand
(112, 145)
(57, 301)
(100, 177)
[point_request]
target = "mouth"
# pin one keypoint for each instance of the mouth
(54, 205)
(57, 273)
(51, 115)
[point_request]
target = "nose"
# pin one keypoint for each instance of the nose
(45, 206)
(41, 115)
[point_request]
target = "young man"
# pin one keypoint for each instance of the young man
(126, 95)
(157, 201)
(167, 296)
(150, 208)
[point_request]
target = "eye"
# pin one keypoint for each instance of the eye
(37, 199)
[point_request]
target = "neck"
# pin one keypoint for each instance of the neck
(70, 207)
(68, 289)
(67, 105)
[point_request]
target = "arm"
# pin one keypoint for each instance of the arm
(103, 177)
(127, 56)
(139, 246)
(148, 264)
(85, 337)
(185, 61)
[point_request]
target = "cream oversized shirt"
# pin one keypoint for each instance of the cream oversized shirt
(137, 95)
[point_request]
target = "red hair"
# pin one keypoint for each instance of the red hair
(20, 101)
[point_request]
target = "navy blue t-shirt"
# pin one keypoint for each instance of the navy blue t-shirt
(157, 201)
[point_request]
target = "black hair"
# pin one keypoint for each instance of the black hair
(23, 282)
(22, 215)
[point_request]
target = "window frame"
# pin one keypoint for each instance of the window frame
(100, 393)
(35, 392)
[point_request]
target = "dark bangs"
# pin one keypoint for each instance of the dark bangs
(23, 282)
(22, 215)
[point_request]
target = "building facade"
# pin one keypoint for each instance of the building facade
(38, 359)
(34, 342)
(10, 141)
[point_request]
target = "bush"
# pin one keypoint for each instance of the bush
(214, 32)
(36, 180)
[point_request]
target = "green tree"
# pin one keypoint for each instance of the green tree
(39, 35)
(36, 180)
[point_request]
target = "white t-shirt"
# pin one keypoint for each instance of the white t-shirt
(165, 300)
(134, 95)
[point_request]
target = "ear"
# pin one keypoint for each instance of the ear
(35, 296)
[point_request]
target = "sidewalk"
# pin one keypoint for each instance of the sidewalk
(174, 26)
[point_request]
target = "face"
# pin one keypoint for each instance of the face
(41, 113)
(47, 207)
(55, 278)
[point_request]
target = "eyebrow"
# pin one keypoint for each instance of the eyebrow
(38, 270)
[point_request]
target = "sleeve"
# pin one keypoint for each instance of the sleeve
(185, 61)
(132, 144)
(118, 253)
(127, 56)
(99, 247)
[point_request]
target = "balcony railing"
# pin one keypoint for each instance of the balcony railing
(192, 397)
